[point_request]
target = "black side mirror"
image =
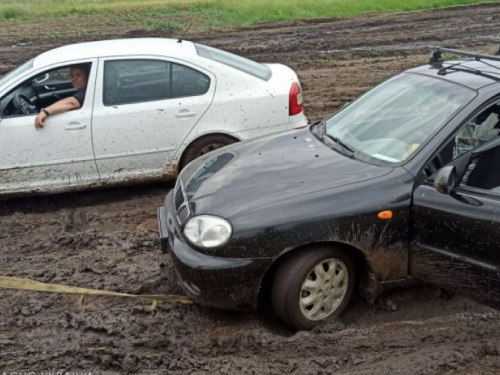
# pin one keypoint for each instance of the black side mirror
(446, 179)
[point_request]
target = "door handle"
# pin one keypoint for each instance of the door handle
(185, 113)
(75, 126)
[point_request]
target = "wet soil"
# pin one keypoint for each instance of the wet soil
(108, 239)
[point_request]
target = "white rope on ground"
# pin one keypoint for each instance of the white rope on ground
(17, 283)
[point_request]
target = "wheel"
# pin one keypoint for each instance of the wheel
(313, 285)
(23, 104)
(204, 146)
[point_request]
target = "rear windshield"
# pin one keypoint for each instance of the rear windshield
(235, 61)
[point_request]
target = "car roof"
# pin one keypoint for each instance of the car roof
(116, 47)
(471, 80)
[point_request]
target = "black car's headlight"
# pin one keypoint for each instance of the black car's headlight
(208, 231)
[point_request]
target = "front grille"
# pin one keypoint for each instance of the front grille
(181, 203)
(182, 214)
(178, 196)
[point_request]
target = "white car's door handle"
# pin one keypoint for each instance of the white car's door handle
(75, 126)
(185, 113)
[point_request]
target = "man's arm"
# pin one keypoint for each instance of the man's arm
(60, 106)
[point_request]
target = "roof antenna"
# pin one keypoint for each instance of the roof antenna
(436, 56)
(185, 32)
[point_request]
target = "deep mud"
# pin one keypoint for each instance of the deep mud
(108, 239)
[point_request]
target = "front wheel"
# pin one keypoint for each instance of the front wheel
(313, 285)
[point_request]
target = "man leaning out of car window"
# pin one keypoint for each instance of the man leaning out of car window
(79, 77)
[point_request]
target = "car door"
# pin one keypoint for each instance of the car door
(456, 234)
(144, 108)
(56, 158)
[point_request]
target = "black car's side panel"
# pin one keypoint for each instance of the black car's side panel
(340, 215)
(456, 242)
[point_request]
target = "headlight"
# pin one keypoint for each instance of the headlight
(208, 231)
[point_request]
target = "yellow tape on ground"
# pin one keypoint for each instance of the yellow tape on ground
(17, 283)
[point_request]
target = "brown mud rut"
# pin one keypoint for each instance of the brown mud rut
(108, 239)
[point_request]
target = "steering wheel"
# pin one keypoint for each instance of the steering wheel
(23, 104)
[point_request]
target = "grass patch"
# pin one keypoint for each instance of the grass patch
(176, 14)
(9, 12)
(154, 25)
(53, 35)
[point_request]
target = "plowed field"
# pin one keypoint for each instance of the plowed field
(108, 239)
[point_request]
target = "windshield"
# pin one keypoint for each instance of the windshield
(19, 70)
(391, 121)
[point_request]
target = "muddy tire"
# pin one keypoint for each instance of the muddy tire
(313, 285)
(203, 146)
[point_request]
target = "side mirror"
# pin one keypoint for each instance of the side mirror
(446, 179)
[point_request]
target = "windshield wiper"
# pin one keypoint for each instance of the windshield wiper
(340, 143)
(344, 149)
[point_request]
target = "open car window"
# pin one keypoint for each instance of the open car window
(40, 91)
(482, 128)
(483, 172)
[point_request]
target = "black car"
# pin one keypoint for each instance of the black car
(401, 185)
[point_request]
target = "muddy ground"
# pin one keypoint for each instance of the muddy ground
(108, 239)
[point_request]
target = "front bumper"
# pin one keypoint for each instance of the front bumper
(228, 283)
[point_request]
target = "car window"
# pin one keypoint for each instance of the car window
(475, 132)
(479, 130)
(135, 81)
(143, 80)
(235, 61)
(188, 82)
(484, 172)
(53, 76)
(40, 91)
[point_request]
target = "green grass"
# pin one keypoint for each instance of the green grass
(163, 25)
(176, 14)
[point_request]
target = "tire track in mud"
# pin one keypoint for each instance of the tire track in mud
(108, 239)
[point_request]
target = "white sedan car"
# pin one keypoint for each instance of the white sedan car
(150, 107)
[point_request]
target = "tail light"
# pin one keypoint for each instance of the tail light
(296, 103)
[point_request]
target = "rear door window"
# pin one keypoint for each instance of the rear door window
(188, 82)
(135, 81)
(144, 80)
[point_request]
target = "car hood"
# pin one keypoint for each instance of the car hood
(267, 170)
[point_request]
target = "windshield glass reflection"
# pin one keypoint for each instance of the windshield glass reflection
(390, 122)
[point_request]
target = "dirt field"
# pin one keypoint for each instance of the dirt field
(108, 239)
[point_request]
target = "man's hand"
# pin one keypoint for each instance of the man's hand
(40, 120)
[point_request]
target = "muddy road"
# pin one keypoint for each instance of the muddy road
(108, 239)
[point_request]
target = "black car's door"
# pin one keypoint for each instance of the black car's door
(456, 236)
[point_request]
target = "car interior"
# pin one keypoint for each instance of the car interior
(36, 93)
(484, 172)
(479, 130)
